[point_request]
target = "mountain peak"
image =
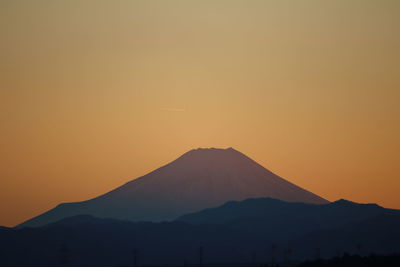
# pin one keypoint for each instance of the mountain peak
(217, 155)
(212, 150)
(201, 178)
(217, 163)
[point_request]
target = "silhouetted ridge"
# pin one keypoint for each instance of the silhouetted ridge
(231, 233)
(75, 220)
(275, 212)
(348, 203)
(344, 202)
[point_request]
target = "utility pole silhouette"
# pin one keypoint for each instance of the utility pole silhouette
(289, 252)
(317, 253)
(201, 256)
(273, 249)
(285, 256)
(338, 253)
(135, 257)
(64, 254)
(359, 249)
(253, 258)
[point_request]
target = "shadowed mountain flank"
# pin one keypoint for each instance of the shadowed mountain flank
(199, 179)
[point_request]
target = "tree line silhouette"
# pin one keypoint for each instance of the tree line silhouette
(392, 260)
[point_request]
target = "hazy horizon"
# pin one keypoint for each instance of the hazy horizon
(96, 93)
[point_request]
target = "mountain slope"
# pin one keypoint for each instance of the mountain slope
(199, 179)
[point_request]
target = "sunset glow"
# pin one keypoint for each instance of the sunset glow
(96, 93)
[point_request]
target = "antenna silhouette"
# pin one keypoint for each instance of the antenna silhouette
(201, 256)
(134, 252)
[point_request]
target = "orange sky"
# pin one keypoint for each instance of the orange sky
(95, 93)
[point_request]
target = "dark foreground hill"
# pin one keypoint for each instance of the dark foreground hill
(199, 179)
(250, 231)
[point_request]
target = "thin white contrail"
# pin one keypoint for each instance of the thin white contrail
(173, 109)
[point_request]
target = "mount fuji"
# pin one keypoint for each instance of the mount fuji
(199, 179)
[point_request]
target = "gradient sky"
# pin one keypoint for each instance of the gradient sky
(96, 93)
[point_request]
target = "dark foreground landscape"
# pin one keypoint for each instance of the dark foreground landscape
(253, 232)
